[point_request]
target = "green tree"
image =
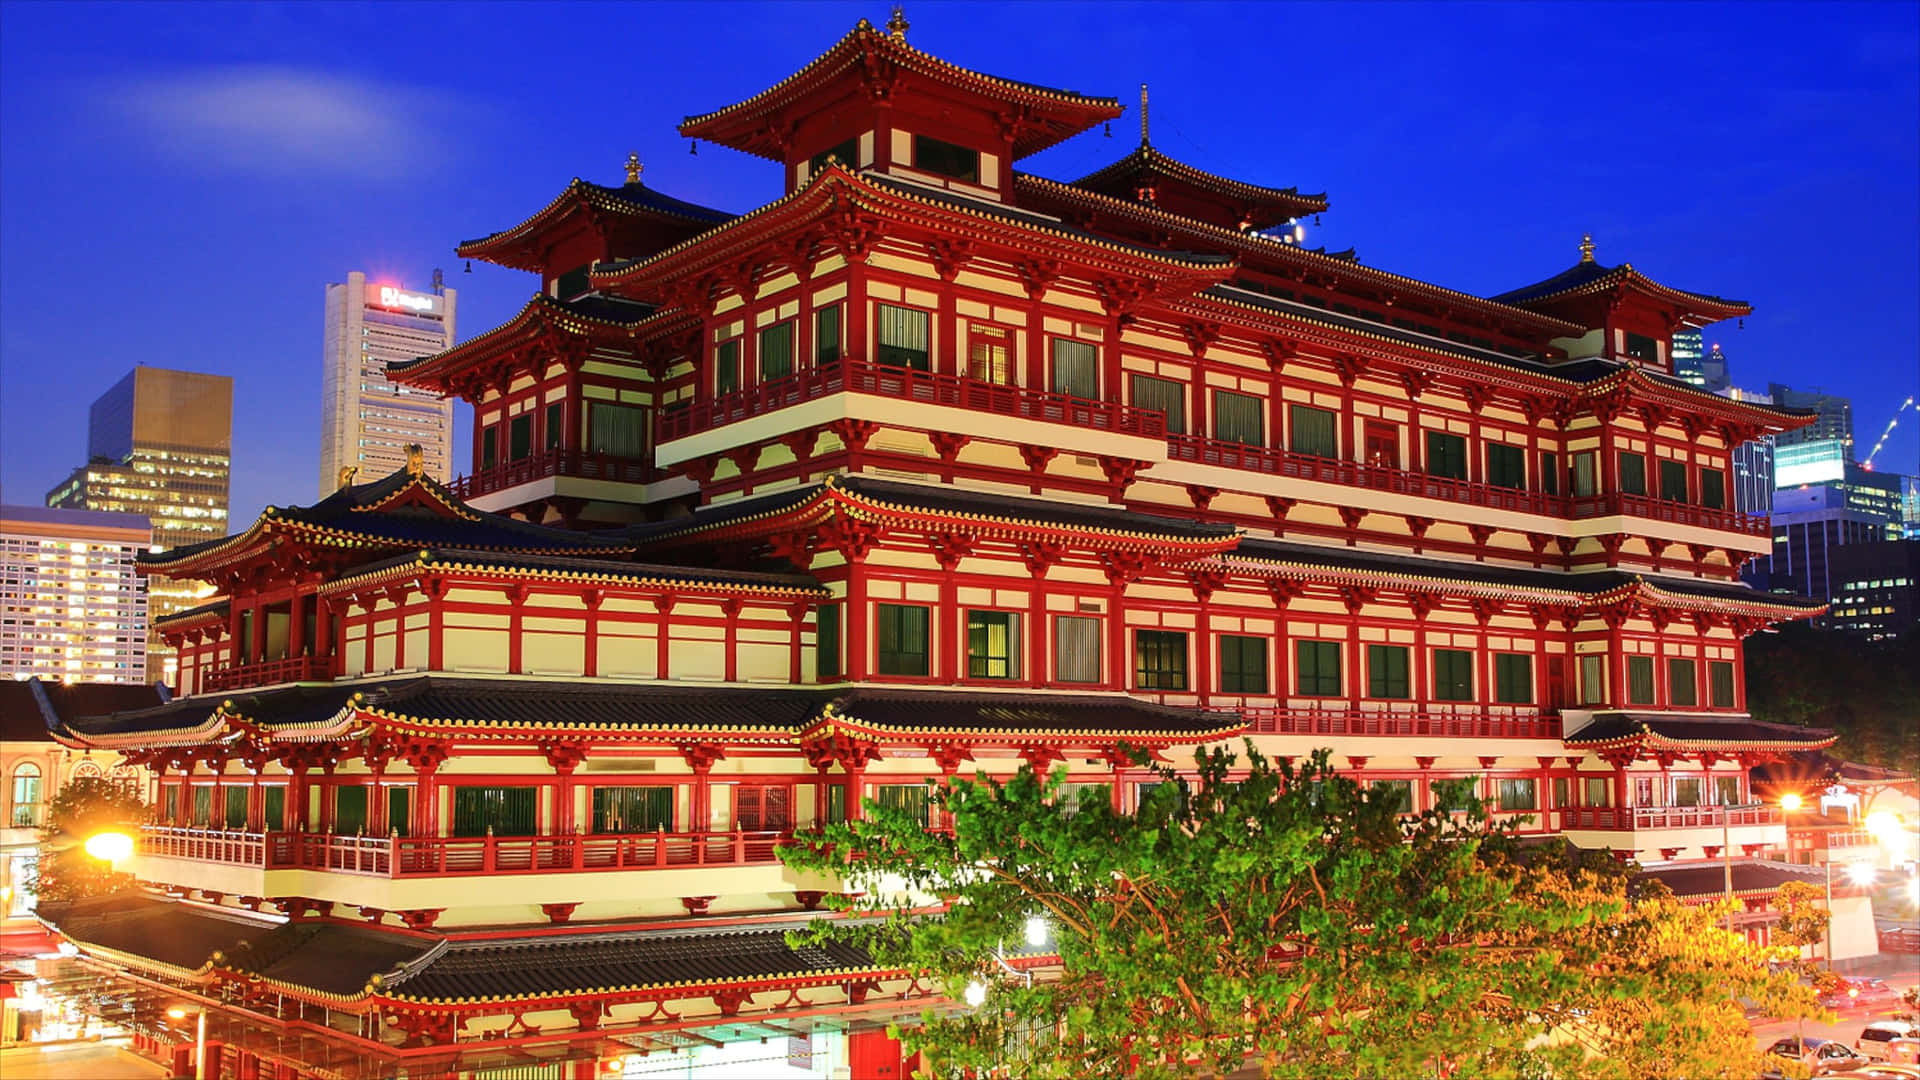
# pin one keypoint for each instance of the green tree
(85, 806)
(1291, 919)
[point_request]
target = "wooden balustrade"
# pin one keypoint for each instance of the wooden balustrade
(1634, 818)
(578, 464)
(270, 673)
(1286, 721)
(451, 856)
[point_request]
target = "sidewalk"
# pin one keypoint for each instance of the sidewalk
(76, 1061)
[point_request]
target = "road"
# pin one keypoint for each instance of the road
(76, 1061)
(1900, 972)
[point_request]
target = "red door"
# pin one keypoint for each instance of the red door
(1383, 444)
(763, 809)
(871, 1055)
(1556, 682)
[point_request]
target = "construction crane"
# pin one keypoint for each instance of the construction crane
(1891, 424)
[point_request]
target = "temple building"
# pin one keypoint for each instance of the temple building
(928, 466)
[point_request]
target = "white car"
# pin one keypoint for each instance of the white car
(1874, 1038)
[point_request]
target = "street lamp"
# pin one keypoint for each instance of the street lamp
(199, 1038)
(109, 847)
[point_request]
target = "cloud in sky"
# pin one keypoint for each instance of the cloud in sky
(285, 122)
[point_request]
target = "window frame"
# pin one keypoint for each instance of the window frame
(1055, 371)
(1633, 481)
(1382, 678)
(1690, 684)
(1715, 699)
(1669, 471)
(903, 357)
(1253, 409)
(764, 340)
(1446, 455)
(1506, 466)
(1641, 689)
(826, 334)
(883, 657)
(1312, 447)
(1319, 649)
(1096, 637)
(554, 424)
(1505, 666)
(1243, 646)
(1014, 642)
(1458, 662)
(1160, 659)
(1176, 396)
(922, 143)
(726, 367)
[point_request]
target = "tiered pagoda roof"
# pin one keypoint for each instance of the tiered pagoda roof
(626, 222)
(1149, 175)
(867, 63)
(1649, 733)
(596, 322)
(1575, 292)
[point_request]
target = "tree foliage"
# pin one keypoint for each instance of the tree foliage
(1288, 918)
(1868, 692)
(85, 806)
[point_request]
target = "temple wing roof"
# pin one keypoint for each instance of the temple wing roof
(1588, 278)
(592, 317)
(584, 571)
(1046, 114)
(910, 713)
(1685, 733)
(672, 219)
(1178, 184)
(1750, 877)
(31, 710)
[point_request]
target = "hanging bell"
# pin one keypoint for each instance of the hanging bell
(1109, 129)
(469, 268)
(1743, 322)
(693, 148)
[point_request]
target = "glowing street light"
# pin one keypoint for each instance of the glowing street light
(109, 847)
(178, 1012)
(1037, 931)
(1790, 802)
(1861, 873)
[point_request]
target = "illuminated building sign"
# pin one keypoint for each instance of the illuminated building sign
(398, 299)
(1820, 462)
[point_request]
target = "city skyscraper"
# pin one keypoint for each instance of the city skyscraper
(71, 607)
(159, 444)
(1834, 420)
(367, 420)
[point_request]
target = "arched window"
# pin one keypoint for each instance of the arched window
(86, 770)
(26, 796)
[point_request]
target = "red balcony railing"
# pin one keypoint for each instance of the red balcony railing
(204, 845)
(1678, 513)
(1284, 721)
(579, 464)
(906, 384)
(1843, 838)
(1634, 818)
(1277, 462)
(270, 672)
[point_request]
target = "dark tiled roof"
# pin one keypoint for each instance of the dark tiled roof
(307, 703)
(1120, 178)
(560, 565)
(646, 200)
(611, 309)
(1587, 273)
(552, 966)
(1589, 584)
(1709, 878)
(1239, 295)
(590, 704)
(329, 957)
(986, 711)
(214, 607)
(163, 931)
(31, 709)
(437, 519)
(1705, 728)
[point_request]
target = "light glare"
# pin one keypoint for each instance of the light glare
(976, 994)
(1790, 802)
(1862, 873)
(110, 847)
(1037, 931)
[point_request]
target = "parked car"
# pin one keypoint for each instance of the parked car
(1874, 1037)
(1856, 991)
(1824, 1056)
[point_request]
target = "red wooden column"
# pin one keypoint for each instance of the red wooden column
(572, 403)
(948, 626)
(235, 648)
(328, 788)
(296, 626)
(859, 348)
(517, 601)
(731, 609)
(323, 645)
(257, 805)
(700, 757)
(295, 811)
(257, 643)
(436, 593)
(590, 648)
(368, 607)
(663, 638)
(1203, 588)
(402, 595)
(797, 614)
(857, 615)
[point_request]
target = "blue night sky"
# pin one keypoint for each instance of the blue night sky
(178, 182)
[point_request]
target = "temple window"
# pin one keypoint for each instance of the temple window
(506, 811)
(1644, 793)
(1452, 675)
(1243, 664)
(1673, 481)
(826, 335)
(1317, 668)
(1397, 793)
(1076, 649)
(350, 810)
(1070, 799)
(943, 158)
(1586, 474)
(901, 634)
(1598, 791)
(556, 424)
(1550, 472)
(1165, 395)
(1643, 348)
(1639, 680)
(726, 367)
(1713, 489)
(26, 796)
(399, 810)
(1633, 474)
(520, 437)
(1382, 444)
(1726, 790)
(633, 809)
(1160, 659)
(1075, 369)
(572, 283)
(1720, 683)
(489, 447)
(763, 808)
(910, 798)
(1387, 672)
(1506, 466)
(1518, 794)
(776, 351)
(274, 814)
(1689, 791)
(1239, 418)
(1446, 455)
(846, 153)
(1513, 678)
(826, 642)
(1451, 794)
(1682, 686)
(202, 806)
(902, 336)
(1314, 431)
(616, 430)
(993, 645)
(236, 808)
(988, 358)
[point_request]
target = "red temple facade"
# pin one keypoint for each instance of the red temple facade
(928, 465)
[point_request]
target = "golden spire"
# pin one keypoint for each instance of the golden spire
(416, 459)
(1143, 114)
(897, 25)
(634, 168)
(346, 475)
(1586, 248)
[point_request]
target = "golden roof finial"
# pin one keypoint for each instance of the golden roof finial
(346, 475)
(897, 25)
(416, 459)
(1586, 248)
(634, 168)
(1143, 114)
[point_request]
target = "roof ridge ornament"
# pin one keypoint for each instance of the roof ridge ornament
(1586, 248)
(416, 459)
(897, 24)
(346, 476)
(634, 168)
(1143, 115)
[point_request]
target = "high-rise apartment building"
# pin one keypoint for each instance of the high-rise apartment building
(159, 444)
(71, 607)
(369, 420)
(1753, 466)
(1702, 365)
(1833, 416)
